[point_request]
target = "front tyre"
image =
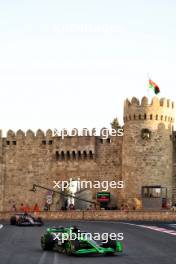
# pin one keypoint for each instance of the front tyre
(47, 242)
(41, 223)
(71, 247)
(68, 248)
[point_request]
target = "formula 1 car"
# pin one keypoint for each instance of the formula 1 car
(58, 239)
(24, 219)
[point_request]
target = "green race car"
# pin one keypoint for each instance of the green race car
(61, 239)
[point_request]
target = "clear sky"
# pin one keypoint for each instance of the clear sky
(72, 63)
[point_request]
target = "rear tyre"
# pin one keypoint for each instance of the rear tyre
(110, 244)
(13, 220)
(39, 219)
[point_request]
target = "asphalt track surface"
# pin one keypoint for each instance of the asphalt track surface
(21, 245)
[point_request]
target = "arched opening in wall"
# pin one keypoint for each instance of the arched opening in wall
(129, 117)
(90, 154)
(73, 155)
(156, 117)
(101, 140)
(145, 116)
(161, 117)
(79, 154)
(151, 117)
(43, 142)
(139, 117)
(108, 140)
(165, 118)
(134, 117)
(84, 155)
(57, 155)
(62, 156)
(7, 142)
(68, 155)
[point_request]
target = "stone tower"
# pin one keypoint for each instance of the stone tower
(1, 173)
(147, 152)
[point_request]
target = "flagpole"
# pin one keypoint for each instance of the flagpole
(150, 96)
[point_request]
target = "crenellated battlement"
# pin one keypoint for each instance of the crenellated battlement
(20, 134)
(144, 102)
(162, 110)
(47, 139)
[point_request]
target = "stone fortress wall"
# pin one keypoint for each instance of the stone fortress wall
(28, 158)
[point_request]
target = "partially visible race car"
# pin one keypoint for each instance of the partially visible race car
(81, 246)
(24, 219)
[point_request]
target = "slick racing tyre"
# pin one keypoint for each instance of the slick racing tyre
(110, 244)
(47, 242)
(71, 247)
(13, 220)
(39, 219)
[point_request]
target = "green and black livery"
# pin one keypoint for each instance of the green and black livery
(79, 246)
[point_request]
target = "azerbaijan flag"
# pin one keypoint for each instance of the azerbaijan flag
(154, 86)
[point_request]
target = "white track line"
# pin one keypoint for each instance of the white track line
(42, 258)
(156, 228)
(56, 258)
(1, 226)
